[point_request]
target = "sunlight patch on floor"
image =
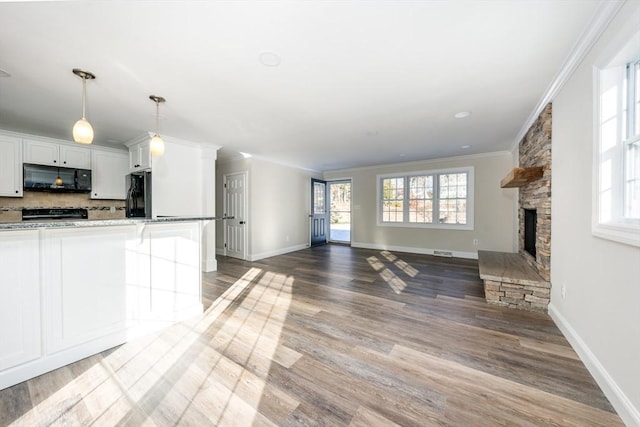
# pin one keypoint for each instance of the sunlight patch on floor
(408, 269)
(392, 279)
(396, 283)
(250, 336)
(375, 263)
(388, 256)
(130, 383)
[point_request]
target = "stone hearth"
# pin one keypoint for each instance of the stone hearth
(510, 281)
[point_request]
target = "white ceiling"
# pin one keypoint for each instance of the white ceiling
(359, 83)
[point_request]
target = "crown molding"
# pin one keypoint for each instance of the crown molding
(418, 163)
(146, 136)
(606, 11)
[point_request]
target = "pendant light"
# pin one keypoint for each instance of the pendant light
(157, 144)
(58, 181)
(82, 130)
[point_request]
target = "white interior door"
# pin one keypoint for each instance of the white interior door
(235, 205)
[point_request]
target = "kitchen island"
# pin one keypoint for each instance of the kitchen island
(71, 289)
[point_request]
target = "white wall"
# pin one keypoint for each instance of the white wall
(494, 207)
(279, 205)
(183, 184)
(600, 313)
(178, 180)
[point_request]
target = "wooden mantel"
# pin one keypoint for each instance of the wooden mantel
(521, 176)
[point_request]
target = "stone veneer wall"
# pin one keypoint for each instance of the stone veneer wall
(11, 207)
(535, 150)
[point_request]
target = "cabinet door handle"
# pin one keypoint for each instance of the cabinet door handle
(17, 191)
(65, 162)
(55, 161)
(242, 222)
(136, 166)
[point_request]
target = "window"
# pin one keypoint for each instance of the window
(421, 199)
(393, 200)
(616, 212)
(432, 199)
(632, 143)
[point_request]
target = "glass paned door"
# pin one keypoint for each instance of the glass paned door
(319, 212)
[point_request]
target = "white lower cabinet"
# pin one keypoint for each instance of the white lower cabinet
(85, 284)
(68, 293)
(169, 257)
(20, 334)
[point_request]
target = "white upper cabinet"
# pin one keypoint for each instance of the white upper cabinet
(41, 153)
(75, 157)
(140, 157)
(108, 174)
(52, 154)
(10, 166)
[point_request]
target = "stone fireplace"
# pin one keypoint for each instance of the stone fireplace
(535, 150)
(522, 280)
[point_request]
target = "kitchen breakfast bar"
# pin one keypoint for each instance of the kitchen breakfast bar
(71, 289)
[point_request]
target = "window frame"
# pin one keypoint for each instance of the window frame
(469, 170)
(610, 166)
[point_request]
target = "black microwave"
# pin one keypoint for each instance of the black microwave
(53, 178)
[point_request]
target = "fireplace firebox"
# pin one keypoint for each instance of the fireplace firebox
(530, 219)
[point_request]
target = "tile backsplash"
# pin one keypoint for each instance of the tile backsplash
(11, 207)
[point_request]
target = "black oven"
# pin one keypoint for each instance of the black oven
(49, 214)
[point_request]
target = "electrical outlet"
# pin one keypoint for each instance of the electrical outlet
(112, 209)
(475, 242)
(563, 291)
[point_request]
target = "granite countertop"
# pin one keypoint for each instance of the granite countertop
(26, 225)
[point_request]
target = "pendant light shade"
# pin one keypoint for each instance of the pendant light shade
(82, 130)
(157, 144)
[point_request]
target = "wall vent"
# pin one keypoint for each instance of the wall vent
(443, 253)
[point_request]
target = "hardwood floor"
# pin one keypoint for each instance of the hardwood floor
(330, 336)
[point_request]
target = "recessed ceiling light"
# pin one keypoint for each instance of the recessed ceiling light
(462, 114)
(465, 147)
(269, 59)
(4, 73)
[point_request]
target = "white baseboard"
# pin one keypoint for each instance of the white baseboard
(209, 265)
(621, 403)
(256, 257)
(424, 251)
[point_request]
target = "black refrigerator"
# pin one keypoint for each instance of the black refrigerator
(139, 195)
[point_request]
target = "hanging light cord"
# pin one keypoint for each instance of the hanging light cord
(84, 96)
(157, 117)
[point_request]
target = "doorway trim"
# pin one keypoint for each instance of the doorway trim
(339, 180)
